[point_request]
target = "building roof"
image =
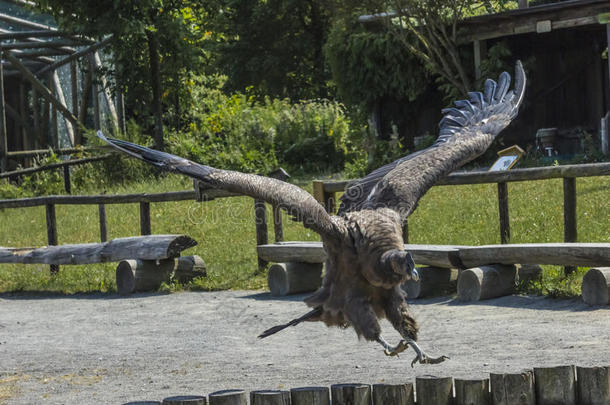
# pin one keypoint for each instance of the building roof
(542, 18)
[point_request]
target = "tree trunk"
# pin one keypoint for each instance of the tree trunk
(155, 81)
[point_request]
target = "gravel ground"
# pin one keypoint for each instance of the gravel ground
(102, 349)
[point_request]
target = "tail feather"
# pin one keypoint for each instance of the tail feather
(314, 312)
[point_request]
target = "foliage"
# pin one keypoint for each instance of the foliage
(240, 133)
(9, 190)
(429, 31)
(176, 26)
(368, 65)
(273, 45)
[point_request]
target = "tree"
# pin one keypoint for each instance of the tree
(429, 31)
(274, 46)
(156, 43)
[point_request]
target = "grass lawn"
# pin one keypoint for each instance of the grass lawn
(225, 230)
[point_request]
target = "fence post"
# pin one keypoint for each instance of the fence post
(350, 394)
(399, 394)
(327, 199)
(269, 397)
(310, 396)
(67, 185)
(52, 231)
(555, 385)
(503, 209)
(569, 214)
(278, 227)
(434, 390)
(260, 218)
(103, 229)
(145, 228)
(228, 397)
(3, 135)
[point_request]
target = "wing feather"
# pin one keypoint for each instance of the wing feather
(466, 131)
(295, 200)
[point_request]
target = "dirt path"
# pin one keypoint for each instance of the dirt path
(94, 349)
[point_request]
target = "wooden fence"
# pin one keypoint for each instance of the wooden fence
(566, 385)
(325, 191)
(65, 165)
(144, 200)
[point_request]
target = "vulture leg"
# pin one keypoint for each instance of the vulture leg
(390, 350)
(397, 312)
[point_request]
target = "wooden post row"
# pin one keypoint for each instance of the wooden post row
(564, 385)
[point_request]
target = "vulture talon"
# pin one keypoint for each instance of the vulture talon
(422, 357)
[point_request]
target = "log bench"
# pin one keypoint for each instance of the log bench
(484, 271)
(144, 261)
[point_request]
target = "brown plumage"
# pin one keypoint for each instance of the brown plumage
(367, 262)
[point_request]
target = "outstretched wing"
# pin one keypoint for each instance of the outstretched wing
(295, 200)
(466, 131)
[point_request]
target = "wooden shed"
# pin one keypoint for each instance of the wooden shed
(49, 87)
(564, 47)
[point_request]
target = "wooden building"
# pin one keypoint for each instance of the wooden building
(564, 46)
(49, 89)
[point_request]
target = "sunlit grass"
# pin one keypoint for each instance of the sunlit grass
(225, 230)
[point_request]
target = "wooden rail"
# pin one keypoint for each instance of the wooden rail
(325, 191)
(144, 200)
(567, 385)
(65, 165)
(461, 257)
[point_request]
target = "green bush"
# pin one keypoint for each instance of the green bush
(239, 133)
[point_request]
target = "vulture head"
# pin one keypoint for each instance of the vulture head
(367, 261)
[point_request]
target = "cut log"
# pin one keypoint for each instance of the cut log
(596, 286)
(294, 277)
(269, 397)
(150, 247)
(593, 385)
(461, 257)
(313, 252)
(472, 392)
(528, 272)
(431, 390)
(228, 397)
(147, 275)
(398, 394)
(185, 400)
(481, 283)
(555, 385)
(511, 389)
(351, 394)
(560, 254)
(432, 281)
(310, 396)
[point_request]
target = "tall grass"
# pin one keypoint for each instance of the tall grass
(225, 230)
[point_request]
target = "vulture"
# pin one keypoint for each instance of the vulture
(367, 261)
